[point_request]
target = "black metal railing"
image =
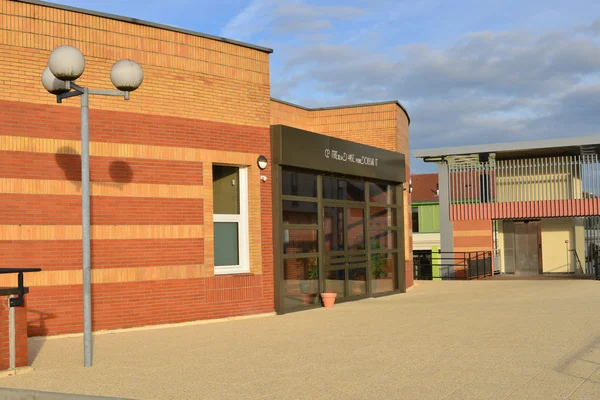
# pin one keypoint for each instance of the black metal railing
(455, 265)
(20, 291)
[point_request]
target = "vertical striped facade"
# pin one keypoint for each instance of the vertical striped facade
(525, 188)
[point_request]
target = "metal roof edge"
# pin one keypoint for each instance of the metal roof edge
(143, 22)
(508, 146)
(377, 103)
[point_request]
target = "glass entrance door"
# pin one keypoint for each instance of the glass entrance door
(345, 253)
(338, 234)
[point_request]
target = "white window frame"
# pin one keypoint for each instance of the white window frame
(243, 233)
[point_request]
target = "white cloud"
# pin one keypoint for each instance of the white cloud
(251, 20)
(280, 17)
(485, 87)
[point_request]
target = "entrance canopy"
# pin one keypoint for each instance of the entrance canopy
(303, 149)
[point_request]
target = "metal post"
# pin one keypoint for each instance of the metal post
(85, 224)
(446, 231)
(12, 354)
(568, 263)
(469, 266)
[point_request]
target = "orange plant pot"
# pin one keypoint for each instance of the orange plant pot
(328, 299)
(308, 298)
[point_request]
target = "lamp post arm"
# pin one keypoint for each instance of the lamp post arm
(62, 96)
(73, 85)
(104, 92)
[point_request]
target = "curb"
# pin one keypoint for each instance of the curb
(21, 394)
(16, 371)
(154, 327)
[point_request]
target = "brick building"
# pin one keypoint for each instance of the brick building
(171, 170)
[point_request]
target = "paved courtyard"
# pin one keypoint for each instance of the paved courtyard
(442, 340)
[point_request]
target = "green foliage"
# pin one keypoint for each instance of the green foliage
(378, 261)
(313, 270)
(311, 263)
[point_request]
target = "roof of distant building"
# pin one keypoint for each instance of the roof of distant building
(424, 188)
(512, 150)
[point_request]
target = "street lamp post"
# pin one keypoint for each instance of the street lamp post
(65, 65)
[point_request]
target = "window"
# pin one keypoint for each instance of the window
(382, 193)
(343, 189)
(415, 219)
(298, 183)
(230, 217)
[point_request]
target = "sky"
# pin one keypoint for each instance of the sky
(467, 71)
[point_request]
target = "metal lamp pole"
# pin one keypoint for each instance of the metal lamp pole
(66, 64)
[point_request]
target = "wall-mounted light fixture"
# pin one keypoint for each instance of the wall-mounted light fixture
(410, 186)
(437, 189)
(262, 162)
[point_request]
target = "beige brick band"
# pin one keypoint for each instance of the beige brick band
(109, 275)
(207, 157)
(66, 188)
(100, 232)
(123, 150)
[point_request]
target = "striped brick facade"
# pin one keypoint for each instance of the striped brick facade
(203, 101)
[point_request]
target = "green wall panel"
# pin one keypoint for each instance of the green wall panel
(429, 218)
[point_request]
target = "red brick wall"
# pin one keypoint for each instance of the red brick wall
(203, 101)
(57, 309)
(473, 235)
(21, 344)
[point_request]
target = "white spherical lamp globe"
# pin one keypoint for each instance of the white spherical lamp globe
(127, 75)
(53, 84)
(66, 63)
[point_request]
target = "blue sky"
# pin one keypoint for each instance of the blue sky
(467, 71)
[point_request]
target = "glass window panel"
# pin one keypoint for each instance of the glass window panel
(382, 216)
(383, 272)
(355, 190)
(356, 229)
(335, 282)
(335, 260)
(343, 189)
(300, 241)
(226, 243)
(226, 189)
(299, 212)
(358, 281)
(301, 282)
(382, 193)
(384, 239)
(334, 228)
(297, 183)
(422, 260)
(415, 219)
(333, 188)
